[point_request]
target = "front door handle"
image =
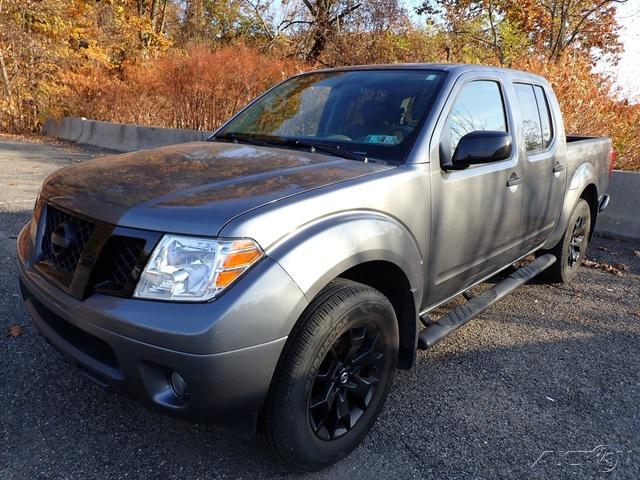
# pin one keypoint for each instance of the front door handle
(557, 168)
(514, 180)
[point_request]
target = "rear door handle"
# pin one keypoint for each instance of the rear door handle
(557, 168)
(514, 180)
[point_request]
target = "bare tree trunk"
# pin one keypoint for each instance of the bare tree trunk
(325, 23)
(5, 77)
(142, 7)
(153, 14)
(3, 69)
(163, 13)
(494, 35)
(195, 18)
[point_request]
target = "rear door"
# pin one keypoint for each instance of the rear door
(544, 164)
(476, 212)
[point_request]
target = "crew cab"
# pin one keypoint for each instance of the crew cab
(272, 278)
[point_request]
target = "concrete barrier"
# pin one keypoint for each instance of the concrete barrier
(149, 137)
(621, 218)
(103, 134)
(67, 128)
(118, 136)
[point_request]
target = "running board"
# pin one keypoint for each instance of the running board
(441, 328)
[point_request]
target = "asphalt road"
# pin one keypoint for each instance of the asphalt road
(545, 384)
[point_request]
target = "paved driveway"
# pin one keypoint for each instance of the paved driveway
(548, 370)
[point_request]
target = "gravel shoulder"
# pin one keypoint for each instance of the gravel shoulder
(547, 378)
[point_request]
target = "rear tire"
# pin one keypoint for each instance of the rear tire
(571, 249)
(333, 377)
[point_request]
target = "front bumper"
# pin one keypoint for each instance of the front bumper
(225, 350)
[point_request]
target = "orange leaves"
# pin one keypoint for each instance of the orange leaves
(618, 269)
(198, 88)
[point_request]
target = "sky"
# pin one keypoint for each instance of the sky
(627, 73)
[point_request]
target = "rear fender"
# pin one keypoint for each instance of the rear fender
(584, 175)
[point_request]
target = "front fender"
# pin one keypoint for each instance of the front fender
(318, 252)
(584, 175)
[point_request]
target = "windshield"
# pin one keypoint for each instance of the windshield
(361, 114)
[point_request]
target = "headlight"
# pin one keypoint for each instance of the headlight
(191, 269)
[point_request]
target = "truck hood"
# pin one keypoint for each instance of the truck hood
(192, 188)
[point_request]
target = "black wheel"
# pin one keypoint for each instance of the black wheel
(333, 377)
(572, 247)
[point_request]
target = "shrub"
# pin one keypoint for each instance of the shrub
(198, 88)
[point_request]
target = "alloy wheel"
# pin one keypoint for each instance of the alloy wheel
(346, 381)
(578, 241)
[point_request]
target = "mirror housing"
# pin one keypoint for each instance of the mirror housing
(481, 146)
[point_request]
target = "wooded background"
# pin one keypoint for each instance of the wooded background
(193, 63)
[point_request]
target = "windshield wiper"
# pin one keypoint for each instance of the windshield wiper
(239, 137)
(328, 149)
(290, 142)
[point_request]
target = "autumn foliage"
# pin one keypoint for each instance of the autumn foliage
(193, 63)
(197, 89)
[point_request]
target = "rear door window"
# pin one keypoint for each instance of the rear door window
(545, 116)
(529, 117)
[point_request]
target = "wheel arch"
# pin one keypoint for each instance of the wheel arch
(590, 195)
(581, 185)
(367, 247)
(392, 282)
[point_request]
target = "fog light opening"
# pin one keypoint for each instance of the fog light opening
(179, 386)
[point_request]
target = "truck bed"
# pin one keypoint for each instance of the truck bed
(590, 151)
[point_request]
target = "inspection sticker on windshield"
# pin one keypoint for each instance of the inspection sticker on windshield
(386, 139)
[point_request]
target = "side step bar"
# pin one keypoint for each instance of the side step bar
(441, 328)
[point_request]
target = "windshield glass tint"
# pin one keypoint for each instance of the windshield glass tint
(375, 113)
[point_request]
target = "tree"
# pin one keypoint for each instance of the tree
(218, 21)
(550, 28)
(557, 26)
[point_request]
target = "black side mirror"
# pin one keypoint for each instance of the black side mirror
(480, 146)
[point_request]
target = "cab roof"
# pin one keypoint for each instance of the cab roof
(452, 68)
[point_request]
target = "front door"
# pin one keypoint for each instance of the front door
(476, 212)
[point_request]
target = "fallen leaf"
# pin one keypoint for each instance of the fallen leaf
(636, 253)
(618, 269)
(621, 266)
(14, 331)
(636, 313)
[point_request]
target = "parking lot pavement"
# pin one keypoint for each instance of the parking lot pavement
(545, 384)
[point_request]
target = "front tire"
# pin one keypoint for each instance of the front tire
(333, 377)
(571, 249)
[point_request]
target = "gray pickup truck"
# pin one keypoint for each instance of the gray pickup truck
(273, 278)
